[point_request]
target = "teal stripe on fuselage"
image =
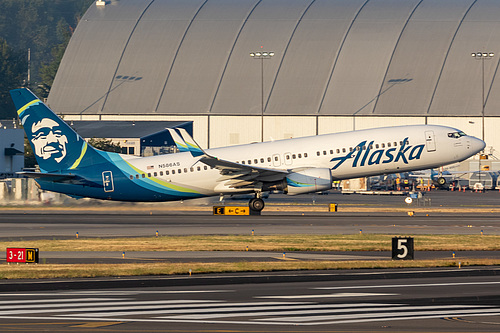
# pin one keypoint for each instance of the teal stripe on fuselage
(125, 189)
(152, 184)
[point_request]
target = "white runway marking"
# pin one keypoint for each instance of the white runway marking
(208, 308)
(222, 312)
(396, 313)
(83, 307)
(231, 307)
(141, 292)
(56, 300)
(328, 295)
(410, 285)
(243, 322)
(314, 309)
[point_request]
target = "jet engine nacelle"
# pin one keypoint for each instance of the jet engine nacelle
(309, 180)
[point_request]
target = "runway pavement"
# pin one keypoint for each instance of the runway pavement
(441, 300)
(33, 224)
(464, 213)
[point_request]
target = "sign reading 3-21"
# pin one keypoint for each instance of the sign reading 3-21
(22, 255)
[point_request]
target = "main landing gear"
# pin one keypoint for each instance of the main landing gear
(441, 181)
(256, 204)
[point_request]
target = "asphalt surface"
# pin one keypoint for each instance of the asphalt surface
(468, 213)
(436, 300)
(434, 199)
(20, 225)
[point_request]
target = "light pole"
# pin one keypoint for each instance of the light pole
(261, 55)
(482, 56)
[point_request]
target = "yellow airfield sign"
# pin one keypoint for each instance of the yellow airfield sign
(231, 210)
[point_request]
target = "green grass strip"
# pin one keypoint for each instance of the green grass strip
(51, 271)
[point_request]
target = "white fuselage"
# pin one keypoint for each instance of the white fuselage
(348, 155)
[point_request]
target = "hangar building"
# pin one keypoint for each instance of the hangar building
(11, 151)
(336, 65)
(140, 138)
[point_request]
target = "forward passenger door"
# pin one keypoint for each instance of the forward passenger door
(430, 141)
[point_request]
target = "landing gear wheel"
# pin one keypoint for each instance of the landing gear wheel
(441, 181)
(256, 204)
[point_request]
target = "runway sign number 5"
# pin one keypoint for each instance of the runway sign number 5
(402, 248)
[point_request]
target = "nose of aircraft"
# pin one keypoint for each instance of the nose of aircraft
(477, 145)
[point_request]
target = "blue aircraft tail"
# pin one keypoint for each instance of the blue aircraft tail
(56, 146)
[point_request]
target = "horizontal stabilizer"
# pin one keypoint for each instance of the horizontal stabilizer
(60, 178)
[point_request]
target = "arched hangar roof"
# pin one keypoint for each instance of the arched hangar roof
(332, 57)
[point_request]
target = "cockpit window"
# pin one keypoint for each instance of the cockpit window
(456, 135)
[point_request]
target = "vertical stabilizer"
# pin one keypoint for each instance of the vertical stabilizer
(56, 146)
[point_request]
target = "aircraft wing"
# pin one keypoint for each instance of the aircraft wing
(436, 174)
(231, 170)
(463, 172)
(235, 174)
(60, 178)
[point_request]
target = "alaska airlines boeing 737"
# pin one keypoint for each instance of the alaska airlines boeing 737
(70, 165)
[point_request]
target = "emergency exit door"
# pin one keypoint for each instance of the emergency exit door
(107, 181)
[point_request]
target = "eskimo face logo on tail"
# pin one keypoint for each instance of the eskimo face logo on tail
(364, 154)
(48, 140)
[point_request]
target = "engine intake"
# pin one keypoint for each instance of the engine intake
(309, 180)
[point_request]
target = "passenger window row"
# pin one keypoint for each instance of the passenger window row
(269, 159)
(168, 172)
(357, 148)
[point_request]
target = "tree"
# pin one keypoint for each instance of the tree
(29, 156)
(105, 144)
(48, 71)
(44, 27)
(36, 25)
(12, 70)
